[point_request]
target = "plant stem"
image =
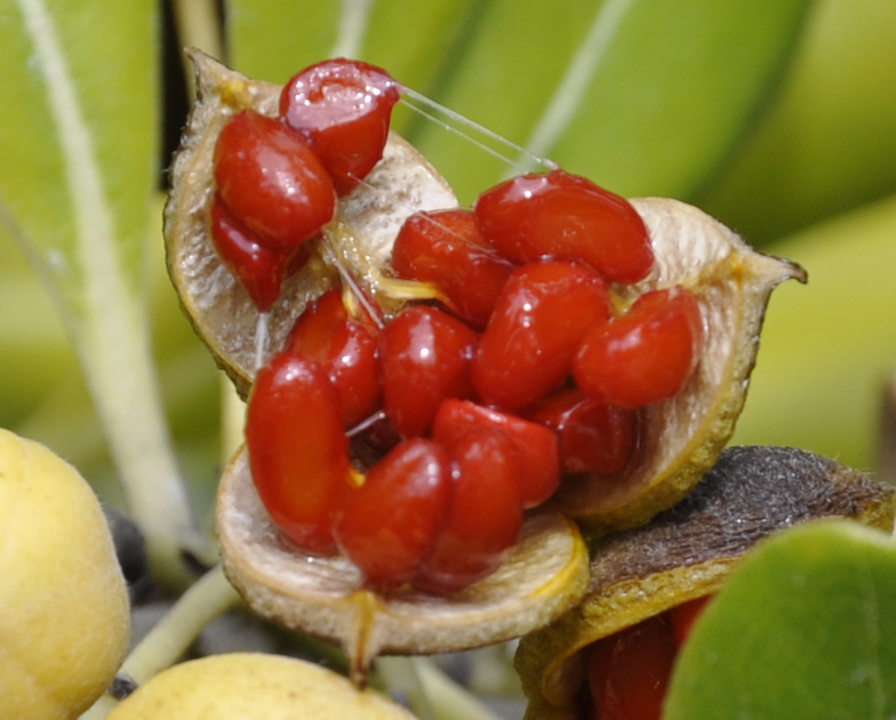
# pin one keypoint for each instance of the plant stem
(430, 693)
(166, 643)
(109, 322)
(401, 678)
(449, 700)
(198, 26)
(209, 598)
(582, 68)
(352, 28)
(233, 418)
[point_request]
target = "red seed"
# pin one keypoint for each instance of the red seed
(298, 452)
(444, 248)
(537, 324)
(485, 515)
(682, 618)
(343, 107)
(645, 356)
(566, 217)
(592, 437)
(259, 269)
(424, 358)
(271, 181)
(389, 524)
(628, 672)
(535, 444)
(345, 348)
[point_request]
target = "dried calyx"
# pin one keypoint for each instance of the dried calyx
(686, 553)
(536, 393)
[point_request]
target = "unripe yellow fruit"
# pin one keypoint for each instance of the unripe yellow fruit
(64, 617)
(254, 686)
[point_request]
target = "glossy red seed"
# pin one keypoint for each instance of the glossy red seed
(628, 672)
(424, 358)
(344, 108)
(271, 181)
(682, 618)
(645, 356)
(566, 217)
(485, 516)
(444, 248)
(537, 324)
(345, 348)
(592, 437)
(535, 444)
(259, 269)
(298, 452)
(389, 524)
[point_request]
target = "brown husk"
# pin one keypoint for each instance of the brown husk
(686, 552)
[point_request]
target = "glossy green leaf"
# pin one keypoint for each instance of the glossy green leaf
(657, 92)
(80, 155)
(644, 96)
(827, 347)
(829, 143)
(804, 628)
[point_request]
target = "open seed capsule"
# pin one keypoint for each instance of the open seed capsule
(359, 239)
(678, 438)
(686, 553)
(546, 573)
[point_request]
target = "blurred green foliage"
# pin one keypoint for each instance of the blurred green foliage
(777, 116)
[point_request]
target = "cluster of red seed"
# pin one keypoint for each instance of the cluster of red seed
(628, 672)
(277, 179)
(524, 370)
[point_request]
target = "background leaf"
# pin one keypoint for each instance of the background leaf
(108, 54)
(413, 40)
(829, 144)
(827, 348)
(804, 628)
(81, 151)
(662, 91)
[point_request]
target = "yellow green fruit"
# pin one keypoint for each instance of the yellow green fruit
(251, 686)
(64, 616)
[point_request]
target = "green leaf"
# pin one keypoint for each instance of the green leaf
(643, 96)
(828, 144)
(413, 40)
(270, 39)
(79, 143)
(827, 347)
(804, 628)
(657, 92)
(80, 125)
